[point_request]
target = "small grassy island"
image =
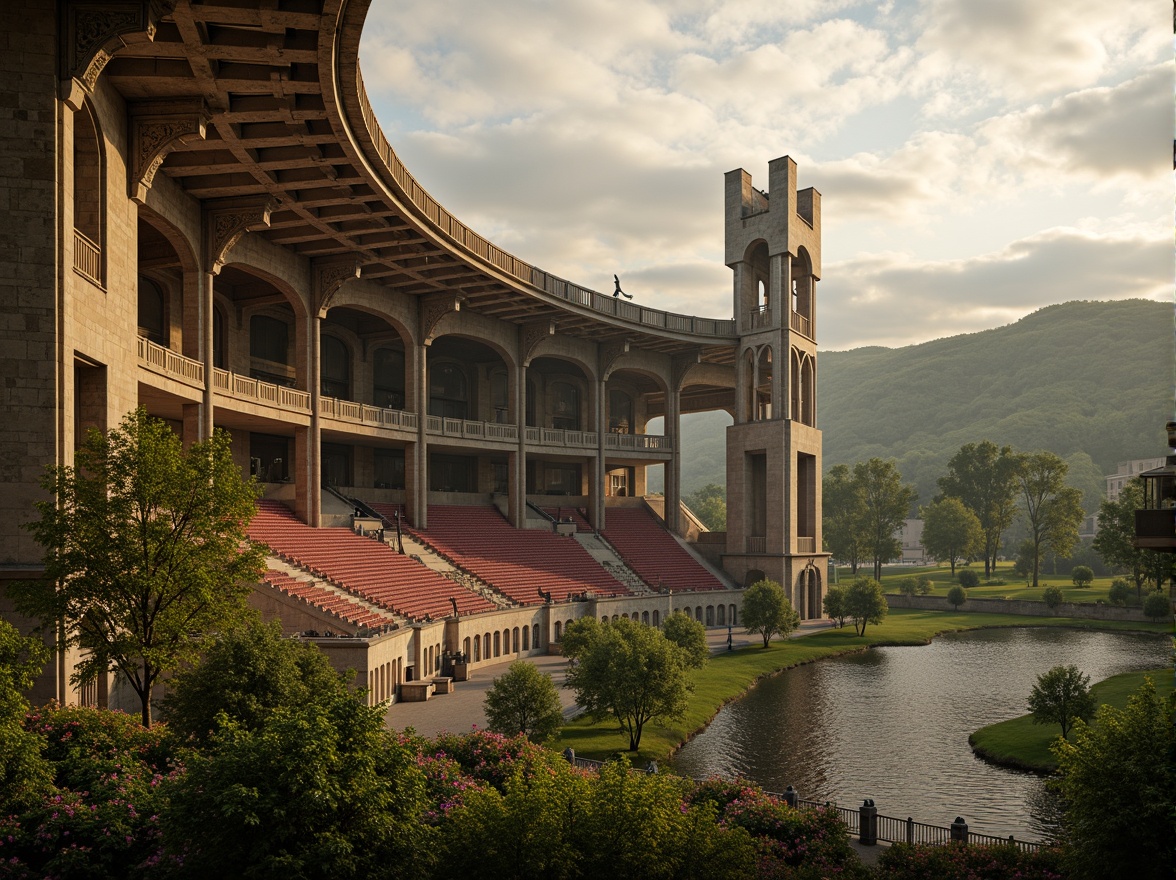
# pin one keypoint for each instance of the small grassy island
(1023, 745)
(729, 675)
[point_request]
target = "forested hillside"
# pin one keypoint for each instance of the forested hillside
(1078, 379)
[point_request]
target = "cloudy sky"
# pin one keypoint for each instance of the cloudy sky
(976, 160)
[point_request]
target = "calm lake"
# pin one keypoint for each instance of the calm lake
(892, 724)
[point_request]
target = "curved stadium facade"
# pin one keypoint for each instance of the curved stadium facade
(204, 218)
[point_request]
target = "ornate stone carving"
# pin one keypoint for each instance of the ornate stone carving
(530, 335)
(226, 222)
(434, 307)
(157, 128)
(95, 32)
(329, 277)
(610, 353)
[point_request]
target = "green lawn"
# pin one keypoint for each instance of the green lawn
(1021, 743)
(729, 675)
(1013, 587)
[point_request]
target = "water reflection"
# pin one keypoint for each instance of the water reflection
(893, 724)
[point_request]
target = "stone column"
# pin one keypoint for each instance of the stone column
(518, 460)
(673, 468)
(597, 488)
(416, 457)
(204, 431)
(314, 382)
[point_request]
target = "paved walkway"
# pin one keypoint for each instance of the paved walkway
(462, 710)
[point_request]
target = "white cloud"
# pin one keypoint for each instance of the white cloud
(893, 299)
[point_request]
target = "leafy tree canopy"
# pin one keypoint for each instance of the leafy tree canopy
(983, 478)
(1051, 509)
(145, 550)
(1060, 696)
(768, 612)
(689, 635)
(865, 603)
(1116, 533)
(524, 700)
(951, 532)
(834, 604)
(885, 503)
(25, 776)
(710, 505)
(245, 674)
(631, 672)
(1118, 781)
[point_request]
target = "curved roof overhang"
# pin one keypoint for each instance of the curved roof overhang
(277, 92)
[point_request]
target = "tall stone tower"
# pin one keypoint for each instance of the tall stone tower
(773, 246)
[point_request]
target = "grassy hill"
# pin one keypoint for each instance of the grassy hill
(1090, 381)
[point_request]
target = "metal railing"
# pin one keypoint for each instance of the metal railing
(87, 257)
(757, 318)
(462, 235)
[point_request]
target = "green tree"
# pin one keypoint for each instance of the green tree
(768, 612)
(865, 603)
(145, 550)
(1119, 592)
(1061, 696)
(25, 775)
(1082, 575)
(951, 532)
(689, 635)
(631, 672)
(320, 789)
(1052, 510)
(1157, 606)
(969, 578)
(245, 673)
(1117, 778)
(1053, 597)
(578, 635)
(834, 604)
(710, 505)
(843, 528)
(983, 477)
(1116, 536)
(524, 700)
(886, 502)
(957, 596)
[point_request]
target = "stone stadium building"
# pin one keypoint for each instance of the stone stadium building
(203, 217)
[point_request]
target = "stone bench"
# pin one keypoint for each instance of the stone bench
(443, 684)
(416, 691)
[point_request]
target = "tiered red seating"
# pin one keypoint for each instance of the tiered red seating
(346, 609)
(516, 562)
(367, 568)
(572, 513)
(652, 552)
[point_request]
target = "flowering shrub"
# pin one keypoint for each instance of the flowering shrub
(792, 843)
(446, 784)
(904, 861)
(491, 758)
(102, 820)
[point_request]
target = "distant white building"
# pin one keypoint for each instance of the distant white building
(1128, 470)
(911, 535)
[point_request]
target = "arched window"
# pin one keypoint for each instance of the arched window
(448, 397)
(486, 646)
(710, 615)
(514, 640)
(558, 631)
(656, 620)
(645, 617)
(535, 637)
(335, 369)
(497, 643)
(477, 649)
(500, 397)
(269, 339)
(152, 312)
(465, 647)
(763, 389)
(565, 406)
(526, 638)
(722, 615)
(620, 412)
(388, 378)
(89, 195)
(731, 617)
